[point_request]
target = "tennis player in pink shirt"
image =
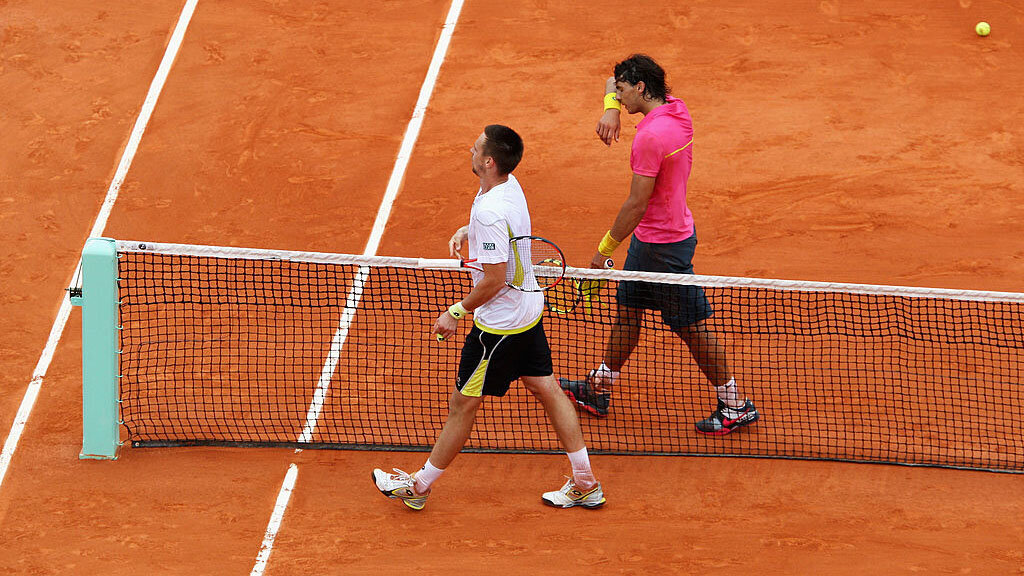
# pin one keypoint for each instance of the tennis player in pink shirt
(664, 240)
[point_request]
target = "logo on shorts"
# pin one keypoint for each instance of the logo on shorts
(488, 245)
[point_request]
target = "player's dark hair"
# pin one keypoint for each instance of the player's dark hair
(642, 68)
(504, 145)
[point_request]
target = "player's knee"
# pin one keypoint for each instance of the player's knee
(539, 385)
(629, 317)
(692, 331)
(531, 385)
(459, 402)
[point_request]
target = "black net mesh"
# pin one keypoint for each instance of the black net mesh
(274, 352)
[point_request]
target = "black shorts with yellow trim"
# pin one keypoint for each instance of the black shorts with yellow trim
(492, 360)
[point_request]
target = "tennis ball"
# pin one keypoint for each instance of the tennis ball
(982, 28)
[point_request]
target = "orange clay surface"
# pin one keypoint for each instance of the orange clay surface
(835, 140)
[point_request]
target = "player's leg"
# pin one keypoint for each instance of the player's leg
(470, 385)
(479, 374)
(708, 353)
(559, 410)
(631, 299)
(685, 309)
(413, 489)
(535, 368)
(462, 411)
(625, 335)
(593, 392)
(689, 321)
(582, 489)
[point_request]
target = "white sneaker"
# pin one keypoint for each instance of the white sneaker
(401, 485)
(569, 495)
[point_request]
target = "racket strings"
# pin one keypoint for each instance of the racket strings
(534, 264)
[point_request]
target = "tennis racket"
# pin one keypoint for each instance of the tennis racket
(535, 264)
(571, 293)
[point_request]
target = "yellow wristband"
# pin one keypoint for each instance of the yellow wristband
(611, 102)
(457, 311)
(608, 244)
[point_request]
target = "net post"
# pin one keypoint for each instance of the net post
(99, 301)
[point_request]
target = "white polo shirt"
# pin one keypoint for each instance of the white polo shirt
(498, 215)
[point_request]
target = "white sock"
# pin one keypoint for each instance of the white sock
(582, 475)
(426, 476)
(604, 375)
(730, 394)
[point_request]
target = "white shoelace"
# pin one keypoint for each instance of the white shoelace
(402, 474)
(402, 478)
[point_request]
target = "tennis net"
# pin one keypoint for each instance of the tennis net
(226, 346)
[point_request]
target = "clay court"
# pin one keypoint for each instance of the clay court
(834, 141)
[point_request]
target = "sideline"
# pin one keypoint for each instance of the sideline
(29, 400)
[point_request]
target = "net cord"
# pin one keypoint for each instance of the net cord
(620, 275)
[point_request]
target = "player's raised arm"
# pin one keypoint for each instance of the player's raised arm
(609, 124)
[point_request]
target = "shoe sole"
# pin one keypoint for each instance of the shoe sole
(593, 411)
(587, 407)
(587, 506)
(725, 431)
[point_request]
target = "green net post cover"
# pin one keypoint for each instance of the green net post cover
(99, 301)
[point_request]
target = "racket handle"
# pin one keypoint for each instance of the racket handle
(609, 263)
(440, 338)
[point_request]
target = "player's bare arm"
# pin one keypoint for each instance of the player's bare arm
(487, 288)
(608, 126)
(640, 190)
(455, 244)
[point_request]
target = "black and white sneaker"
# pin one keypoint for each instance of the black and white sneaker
(724, 419)
(580, 392)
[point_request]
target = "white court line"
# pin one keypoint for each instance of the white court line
(29, 400)
(275, 520)
(355, 294)
(412, 132)
(327, 372)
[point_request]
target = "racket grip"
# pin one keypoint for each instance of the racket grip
(440, 338)
(609, 263)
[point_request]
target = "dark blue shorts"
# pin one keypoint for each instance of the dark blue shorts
(679, 305)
